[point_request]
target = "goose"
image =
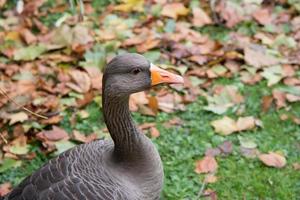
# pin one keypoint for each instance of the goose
(127, 167)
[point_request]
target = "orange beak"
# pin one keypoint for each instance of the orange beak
(159, 76)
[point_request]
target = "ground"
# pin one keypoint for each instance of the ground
(231, 132)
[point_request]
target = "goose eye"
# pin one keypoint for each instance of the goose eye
(136, 71)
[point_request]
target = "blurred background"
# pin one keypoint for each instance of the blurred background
(231, 132)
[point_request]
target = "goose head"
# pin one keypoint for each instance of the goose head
(130, 73)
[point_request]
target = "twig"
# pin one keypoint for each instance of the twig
(27, 110)
(2, 137)
(200, 193)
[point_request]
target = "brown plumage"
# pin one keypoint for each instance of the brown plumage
(128, 167)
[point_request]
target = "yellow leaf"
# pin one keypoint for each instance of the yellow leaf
(130, 5)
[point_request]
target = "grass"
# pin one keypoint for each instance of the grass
(180, 147)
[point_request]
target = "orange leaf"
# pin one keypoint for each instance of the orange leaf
(273, 159)
(206, 165)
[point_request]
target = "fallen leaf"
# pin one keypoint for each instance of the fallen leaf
(29, 53)
(266, 103)
(273, 74)
(5, 188)
(223, 99)
(213, 152)
(154, 132)
(17, 117)
(210, 193)
(55, 134)
(96, 77)
(249, 153)
(226, 147)
(136, 100)
(174, 10)
(153, 104)
(28, 36)
(19, 146)
(273, 159)
(207, 165)
(247, 142)
(258, 56)
(147, 45)
(263, 16)
(210, 178)
(63, 146)
(82, 81)
(245, 123)
(224, 126)
(130, 5)
(200, 18)
(292, 98)
(83, 138)
(280, 98)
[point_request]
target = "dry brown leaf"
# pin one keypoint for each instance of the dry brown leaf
(212, 152)
(52, 120)
(266, 103)
(82, 81)
(200, 18)
(174, 10)
(55, 134)
(226, 147)
(273, 159)
(82, 138)
(224, 126)
(28, 36)
(292, 98)
(288, 71)
(263, 16)
(207, 165)
(96, 77)
(280, 98)
(257, 56)
(17, 117)
(147, 45)
(245, 123)
(153, 104)
(229, 14)
(291, 81)
(136, 100)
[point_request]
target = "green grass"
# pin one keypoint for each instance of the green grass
(180, 147)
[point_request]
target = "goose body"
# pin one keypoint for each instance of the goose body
(128, 167)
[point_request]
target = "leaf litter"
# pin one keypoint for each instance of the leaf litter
(48, 65)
